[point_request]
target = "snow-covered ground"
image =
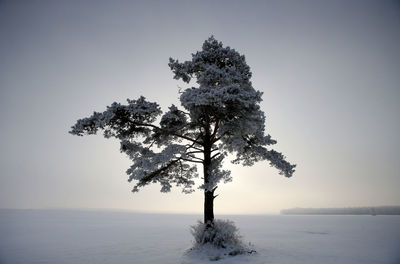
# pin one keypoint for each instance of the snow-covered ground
(68, 236)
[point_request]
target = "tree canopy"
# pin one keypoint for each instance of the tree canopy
(220, 114)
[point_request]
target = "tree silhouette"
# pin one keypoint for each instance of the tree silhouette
(220, 115)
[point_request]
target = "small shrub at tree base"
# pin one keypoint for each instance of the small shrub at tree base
(219, 239)
(220, 233)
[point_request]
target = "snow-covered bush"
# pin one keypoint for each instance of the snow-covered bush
(217, 240)
(221, 233)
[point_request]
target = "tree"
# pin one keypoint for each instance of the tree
(221, 115)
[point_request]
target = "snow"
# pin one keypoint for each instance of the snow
(77, 236)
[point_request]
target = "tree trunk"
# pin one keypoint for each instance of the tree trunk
(208, 194)
(208, 207)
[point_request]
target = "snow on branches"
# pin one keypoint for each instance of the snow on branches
(226, 101)
(221, 115)
(120, 121)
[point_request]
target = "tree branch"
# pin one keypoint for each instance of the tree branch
(194, 152)
(200, 150)
(168, 132)
(189, 160)
(153, 174)
(194, 157)
(215, 155)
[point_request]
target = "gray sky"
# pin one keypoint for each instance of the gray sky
(329, 70)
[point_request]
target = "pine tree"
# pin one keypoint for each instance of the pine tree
(220, 115)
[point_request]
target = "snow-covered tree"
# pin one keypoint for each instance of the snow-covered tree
(220, 115)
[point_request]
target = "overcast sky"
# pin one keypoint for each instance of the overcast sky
(329, 70)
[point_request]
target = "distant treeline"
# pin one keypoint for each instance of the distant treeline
(380, 210)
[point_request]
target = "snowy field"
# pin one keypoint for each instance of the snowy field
(68, 236)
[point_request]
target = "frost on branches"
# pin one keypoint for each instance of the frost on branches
(220, 115)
